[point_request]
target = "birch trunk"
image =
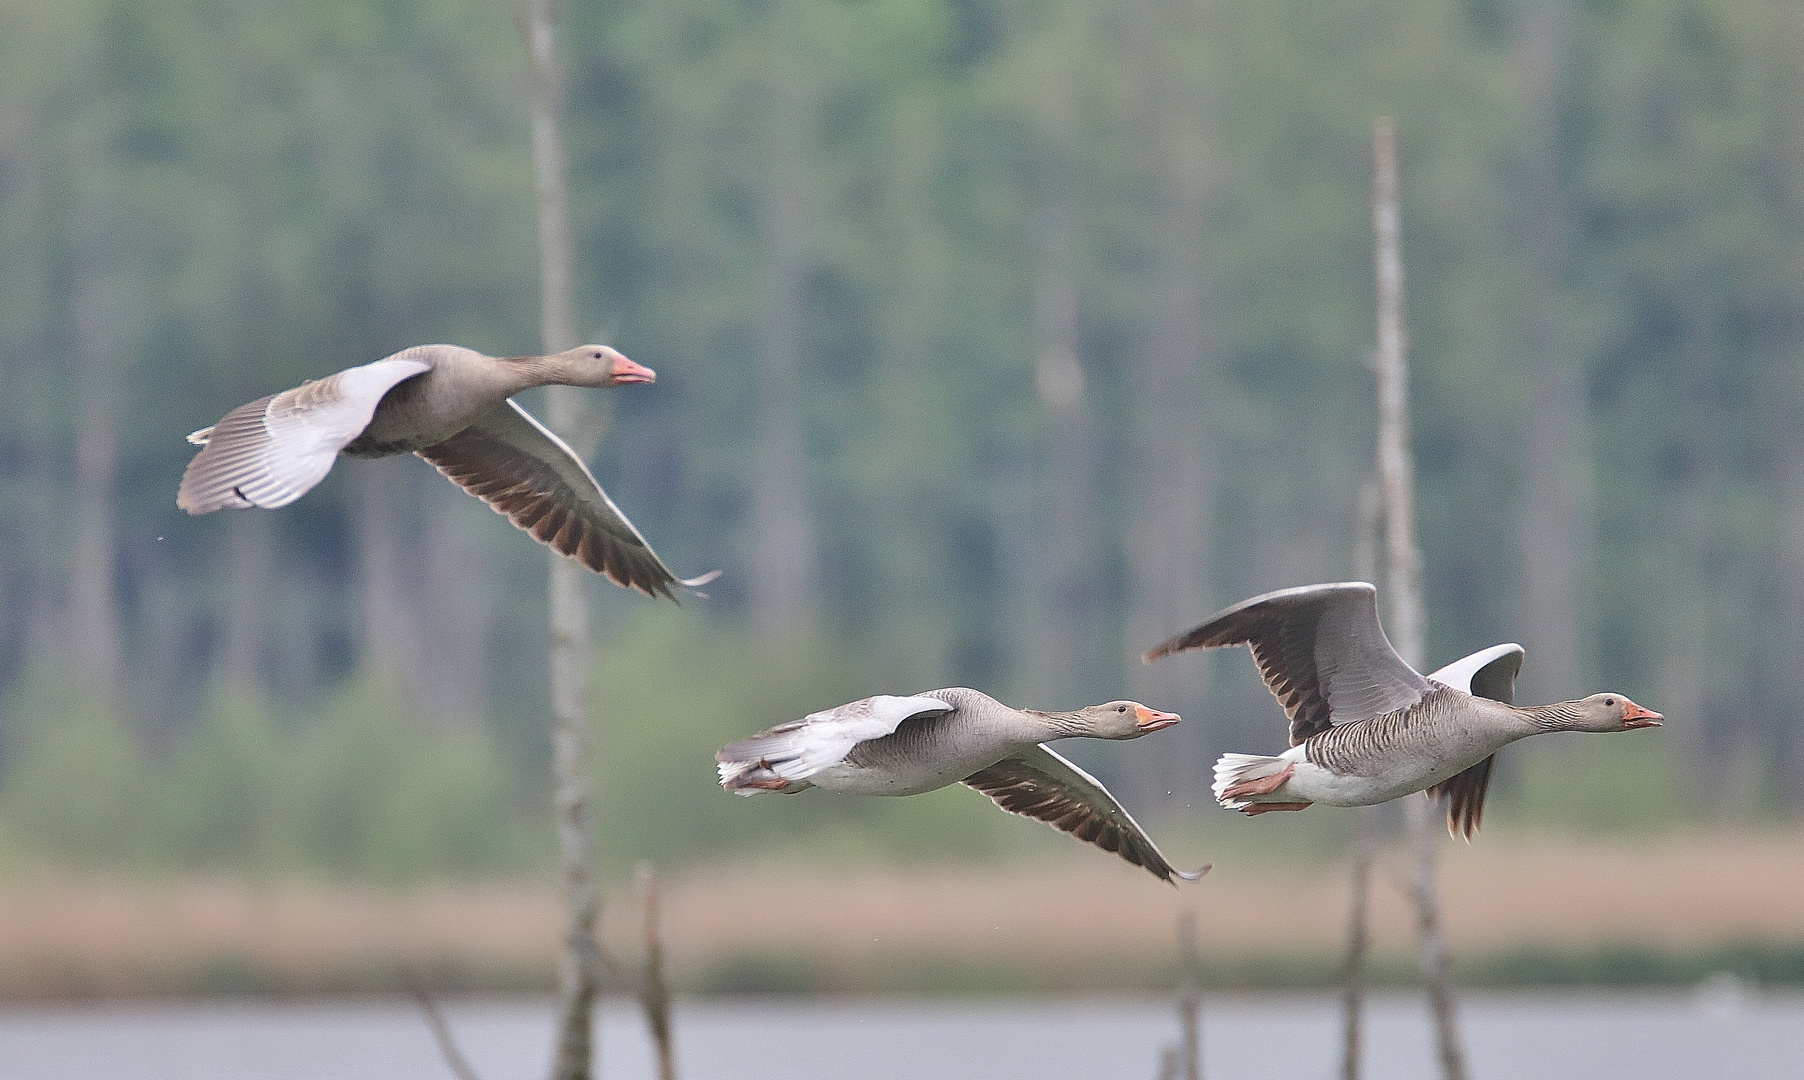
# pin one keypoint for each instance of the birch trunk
(579, 964)
(1059, 537)
(384, 527)
(1556, 538)
(101, 318)
(782, 533)
(1396, 473)
(1169, 547)
(1190, 999)
(1365, 568)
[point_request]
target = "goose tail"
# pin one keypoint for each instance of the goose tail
(752, 777)
(1233, 770)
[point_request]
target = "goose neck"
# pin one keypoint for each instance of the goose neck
(1560, 716)
(1055, 725)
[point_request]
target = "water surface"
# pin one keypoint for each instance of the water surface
(1720, 1032)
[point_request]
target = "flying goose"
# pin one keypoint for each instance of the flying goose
(452, 407)
(888, 745)
(1365, 727)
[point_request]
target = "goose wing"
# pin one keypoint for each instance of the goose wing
(784, 757)
(1487, 673)
(1321, 652)
(1038, 783)
(516, 465)
(275, 449)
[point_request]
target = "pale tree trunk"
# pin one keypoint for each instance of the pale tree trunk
(1190, 999)
(1056, 554)
(250, 568)
(1791, 574)
(1686, 609)
(920, 282)
(1396, 476)
(1171, 523)
(387, 533)
(782, 532)
(425, 615)
(455, 604)
(1365, 568)
(105, 314)
(579, 963)
(1556, 536)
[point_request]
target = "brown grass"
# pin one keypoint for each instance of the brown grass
(66, 934)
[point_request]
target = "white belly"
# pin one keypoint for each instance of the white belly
(899, 777)
(1310, 782)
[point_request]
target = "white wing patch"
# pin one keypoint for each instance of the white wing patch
(787, 755)
(274, 450)
(1459, 673)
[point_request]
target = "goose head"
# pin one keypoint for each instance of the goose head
(1611, 712)
(1123, 720)
(601, 366)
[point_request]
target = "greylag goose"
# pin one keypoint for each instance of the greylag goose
(452, 407)
(1365, 727)
(888, 745)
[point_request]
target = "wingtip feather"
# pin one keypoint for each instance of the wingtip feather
(1192, 875)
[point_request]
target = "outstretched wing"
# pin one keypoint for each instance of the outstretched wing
(1487, 673)
(784, 757)
(516, 465)
(1321, 652)
(1038, 783)
(275, 449)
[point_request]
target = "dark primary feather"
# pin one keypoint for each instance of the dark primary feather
(1040, 784)
(1463, 794)
(1320, 650)
(562, 507)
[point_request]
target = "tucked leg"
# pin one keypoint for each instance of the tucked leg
(1265, 785)
(1267, 807)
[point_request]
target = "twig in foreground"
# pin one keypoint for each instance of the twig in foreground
(441, 1031)
(654, 992)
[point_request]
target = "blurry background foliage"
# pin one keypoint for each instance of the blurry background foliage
(997, 340)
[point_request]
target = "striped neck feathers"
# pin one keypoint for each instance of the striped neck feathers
(1560, 716)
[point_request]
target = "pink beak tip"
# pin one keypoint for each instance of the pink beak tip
(627, 371)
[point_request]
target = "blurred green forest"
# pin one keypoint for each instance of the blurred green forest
(996, 341)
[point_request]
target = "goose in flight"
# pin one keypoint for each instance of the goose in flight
(906, 745)
(451, 406)
(1365, 727)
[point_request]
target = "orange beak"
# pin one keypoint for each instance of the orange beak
(1153, 720)
(1636, 716)
(625, 371)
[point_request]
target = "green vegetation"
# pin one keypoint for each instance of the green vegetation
(890, 214)
(365, 787)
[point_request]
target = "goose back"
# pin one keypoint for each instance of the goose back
(1321, 651)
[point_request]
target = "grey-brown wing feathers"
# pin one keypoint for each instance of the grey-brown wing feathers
(275, 449)
(521, 469)
(1320, 650)
(1463, 796)
(1038, 783)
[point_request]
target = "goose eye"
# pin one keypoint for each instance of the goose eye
(1609, 701)
(1121, 708)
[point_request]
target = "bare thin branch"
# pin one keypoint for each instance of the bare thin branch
(654, 992)
(1190, 999)
(1358, 942)
(441, 1031)
(1396, 472)
(578, 966)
